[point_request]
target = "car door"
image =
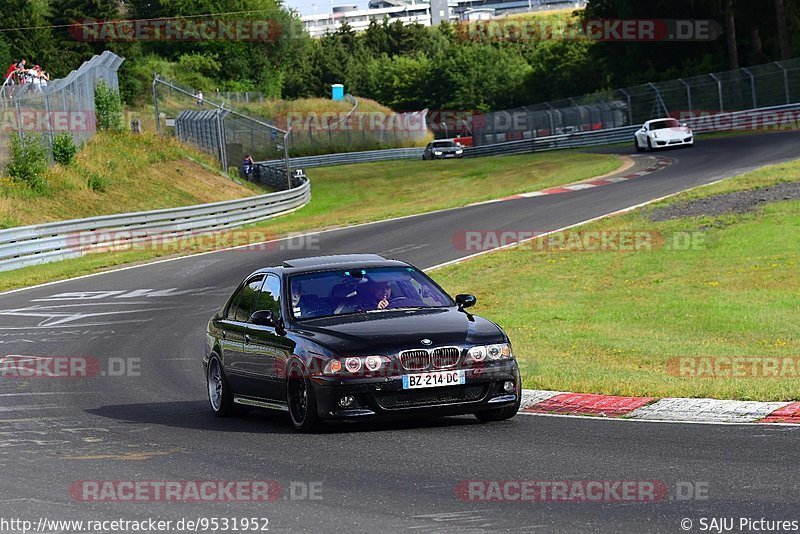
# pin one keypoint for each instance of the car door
(268, 348)
(641, 136)
(234, 328)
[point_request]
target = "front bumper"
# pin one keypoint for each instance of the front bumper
(666, 143)
(385, 396)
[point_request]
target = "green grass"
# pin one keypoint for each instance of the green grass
(352, 194)
(129, 173)
(612, 322)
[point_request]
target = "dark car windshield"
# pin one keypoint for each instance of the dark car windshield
(443, 144)
(342, 292)
(666, 123)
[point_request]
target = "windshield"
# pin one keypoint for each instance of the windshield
(667, 123)
(443, 144)
(330, 293)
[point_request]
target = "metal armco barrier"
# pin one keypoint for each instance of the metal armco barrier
(345, 158)
(718, 122)
(763, 117)
(31, 245)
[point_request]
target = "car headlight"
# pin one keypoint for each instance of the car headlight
(477, 354)
(354, 365)
(373, 363)
(494, 352)
(459, 151)
(437, 152)
(654, 134)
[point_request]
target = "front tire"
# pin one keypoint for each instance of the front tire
(220, 395)
(649, 145)
(300, 399)
(636, 145)
(499, 414)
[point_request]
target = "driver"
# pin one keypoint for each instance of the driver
(378, 296)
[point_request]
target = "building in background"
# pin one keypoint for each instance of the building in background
(427, 13)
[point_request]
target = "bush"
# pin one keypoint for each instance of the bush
(108, 108)
(28, 159)
(64, 148)
(97, 182)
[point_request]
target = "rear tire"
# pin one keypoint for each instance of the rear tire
(300, 399)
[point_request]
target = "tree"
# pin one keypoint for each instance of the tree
(783, 30)
(730, 35)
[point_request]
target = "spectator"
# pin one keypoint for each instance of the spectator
(199, 97)
(10, 72)
(247, 165)
(36, 75)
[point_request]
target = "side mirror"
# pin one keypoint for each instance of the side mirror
(465, 300)
(263, 318)
(683, 124)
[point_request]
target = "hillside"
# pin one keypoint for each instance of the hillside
(116, 173)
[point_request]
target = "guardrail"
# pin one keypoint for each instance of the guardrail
(720, 121)
(770, 116)
(31, 245)
(345, 158)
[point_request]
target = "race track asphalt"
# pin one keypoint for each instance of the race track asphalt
(383, 477)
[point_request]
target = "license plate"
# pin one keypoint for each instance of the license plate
(432, 380)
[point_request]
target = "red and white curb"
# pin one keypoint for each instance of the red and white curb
(655, 409)
(659, 164)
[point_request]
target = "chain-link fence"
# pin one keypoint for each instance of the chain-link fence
(212, 126)
(239, 127)
(63, 105)
(760, 86)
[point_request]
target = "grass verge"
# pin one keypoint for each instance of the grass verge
(352, 194)
(623, 323)
(118, 173)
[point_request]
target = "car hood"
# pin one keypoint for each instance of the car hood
(389, 331)
(672, 133)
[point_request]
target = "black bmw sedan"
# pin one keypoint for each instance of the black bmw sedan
(352, 337)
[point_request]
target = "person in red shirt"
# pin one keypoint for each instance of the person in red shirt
(10, 71)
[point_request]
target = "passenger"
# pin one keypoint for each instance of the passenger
(297, 292)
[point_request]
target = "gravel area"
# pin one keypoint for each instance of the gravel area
(735, 202)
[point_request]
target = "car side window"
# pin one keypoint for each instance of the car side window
(270, 296)
(244, 302)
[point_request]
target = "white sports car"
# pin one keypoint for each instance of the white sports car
(662, 133)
